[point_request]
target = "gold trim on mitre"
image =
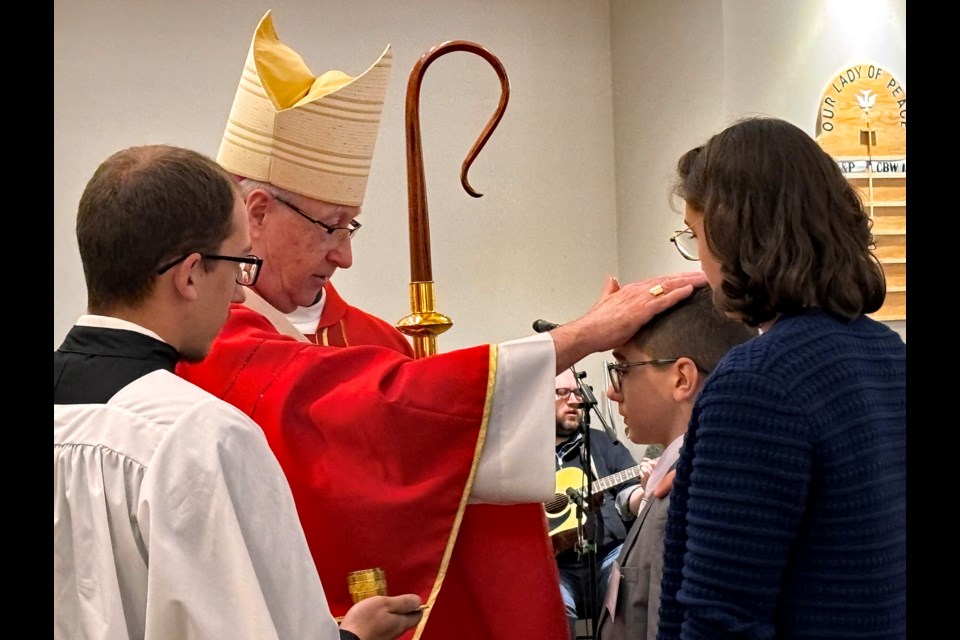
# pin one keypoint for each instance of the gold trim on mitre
(310, 135)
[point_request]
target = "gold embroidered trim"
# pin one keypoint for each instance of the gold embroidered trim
(491, 383)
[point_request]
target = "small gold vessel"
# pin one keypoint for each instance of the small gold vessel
(365, 583)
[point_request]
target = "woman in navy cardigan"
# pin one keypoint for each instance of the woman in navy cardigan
(787, 517)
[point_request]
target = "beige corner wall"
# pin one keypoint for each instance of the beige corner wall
(684, 69)
(605, 96)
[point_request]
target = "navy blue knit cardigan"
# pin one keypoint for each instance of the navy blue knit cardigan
(788, 512)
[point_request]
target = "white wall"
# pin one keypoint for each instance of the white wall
(604, 98)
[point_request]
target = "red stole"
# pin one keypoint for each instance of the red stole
(342, 325)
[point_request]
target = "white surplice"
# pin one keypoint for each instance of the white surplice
(173, 519)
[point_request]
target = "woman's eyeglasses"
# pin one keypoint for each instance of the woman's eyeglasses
(686, 242)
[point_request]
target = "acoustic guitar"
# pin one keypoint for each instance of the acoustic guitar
(562, 510)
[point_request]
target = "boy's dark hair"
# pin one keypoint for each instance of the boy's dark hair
(692, 328)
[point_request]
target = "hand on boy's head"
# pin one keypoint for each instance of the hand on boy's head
(636, 303)
(618, 313)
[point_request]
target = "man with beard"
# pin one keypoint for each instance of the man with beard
(615, 506)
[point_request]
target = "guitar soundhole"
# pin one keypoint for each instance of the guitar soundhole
(560, 501)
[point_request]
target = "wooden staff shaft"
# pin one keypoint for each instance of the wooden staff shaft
(425, 323)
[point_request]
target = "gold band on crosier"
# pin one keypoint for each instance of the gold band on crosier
(657, 290)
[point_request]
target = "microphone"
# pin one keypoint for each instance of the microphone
(541, 326)
(575, 496)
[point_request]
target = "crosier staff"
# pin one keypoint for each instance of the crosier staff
(424, 324)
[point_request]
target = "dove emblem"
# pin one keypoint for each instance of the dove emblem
(866, 98)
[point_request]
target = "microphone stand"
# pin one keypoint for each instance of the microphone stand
(610, 431)
(586, 543)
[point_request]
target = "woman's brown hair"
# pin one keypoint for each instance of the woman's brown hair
(787, 228)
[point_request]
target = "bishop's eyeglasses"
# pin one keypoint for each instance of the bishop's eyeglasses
(339, 233)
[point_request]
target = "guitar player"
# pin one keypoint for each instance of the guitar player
(617, 505)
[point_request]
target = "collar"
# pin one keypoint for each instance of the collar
(108, 322)
(306, 319)
(570, 444)
(277, 319)
(665, 462)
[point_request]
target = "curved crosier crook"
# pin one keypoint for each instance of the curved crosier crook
(420, 265)
(425, 323)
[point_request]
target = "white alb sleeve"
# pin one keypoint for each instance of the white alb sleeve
(516, 464)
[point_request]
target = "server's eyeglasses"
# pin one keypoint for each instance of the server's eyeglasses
(248, 267)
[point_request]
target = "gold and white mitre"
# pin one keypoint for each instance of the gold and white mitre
(310, 135)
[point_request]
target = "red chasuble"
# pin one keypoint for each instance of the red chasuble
(380, 452)
(342, 325)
